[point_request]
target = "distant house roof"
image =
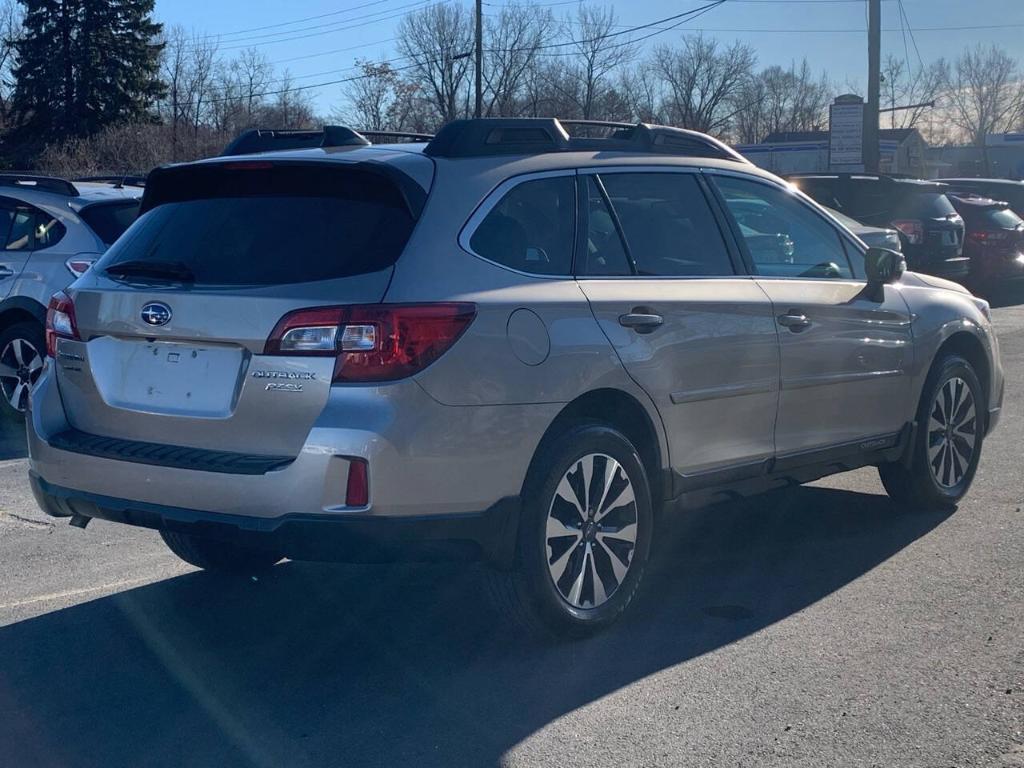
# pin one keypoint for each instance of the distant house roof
(793, 137)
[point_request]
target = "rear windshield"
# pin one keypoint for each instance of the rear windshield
(1003, 218)
(110, 220)
(930, 205)
(271, 226)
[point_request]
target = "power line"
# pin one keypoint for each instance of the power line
(294, 21)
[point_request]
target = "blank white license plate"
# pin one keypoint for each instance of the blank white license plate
(166, 377)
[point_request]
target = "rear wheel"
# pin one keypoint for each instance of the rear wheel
(22, 350)
(947, 442)
(223, 556)
(584, 535)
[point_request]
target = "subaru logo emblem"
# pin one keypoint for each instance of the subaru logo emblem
(156, 313)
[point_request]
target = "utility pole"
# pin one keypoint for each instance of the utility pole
(871, 114)
(479, 110)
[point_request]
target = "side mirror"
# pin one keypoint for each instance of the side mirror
(883, 266)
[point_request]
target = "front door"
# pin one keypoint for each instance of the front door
(16, 237)
(696, 336)
(845, 350)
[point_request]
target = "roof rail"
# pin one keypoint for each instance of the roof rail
(537, 135)
(394, 137)
(272, 139)
(42, 183)
(117, 180)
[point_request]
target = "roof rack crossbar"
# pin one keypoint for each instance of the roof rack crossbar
(35, 181)
(526, 136)
(410, 135)
(117, 180)
(272, 139)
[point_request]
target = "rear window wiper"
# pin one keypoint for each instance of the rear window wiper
(160, 270)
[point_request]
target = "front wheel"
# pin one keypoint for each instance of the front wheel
(584, 535)
(947, 442)
(222, 556)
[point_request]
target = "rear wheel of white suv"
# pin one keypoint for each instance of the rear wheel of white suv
(215, 555)
(947, 442)
(584, 535)
(22, 347)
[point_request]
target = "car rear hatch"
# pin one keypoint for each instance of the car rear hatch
(172, 325)
(934, 232)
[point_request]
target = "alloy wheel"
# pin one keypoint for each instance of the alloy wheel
(20, 366)
(952, 432)
(591, 531)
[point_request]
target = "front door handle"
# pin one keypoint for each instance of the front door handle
(641, 320)
(795, 320)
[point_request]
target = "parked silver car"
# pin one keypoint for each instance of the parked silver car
(505, 343)
(51, 230)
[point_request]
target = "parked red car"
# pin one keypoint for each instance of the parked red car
(994, 240)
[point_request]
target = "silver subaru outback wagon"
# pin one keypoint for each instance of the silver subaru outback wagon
(505, 344)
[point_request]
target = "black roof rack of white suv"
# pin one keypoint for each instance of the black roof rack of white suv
(273, 139)
(537, 135)
(43, 183)
(394, 137)
(116, 180)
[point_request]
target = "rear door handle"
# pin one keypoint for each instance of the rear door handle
(641, 320)
(6, 272)
(795, 320)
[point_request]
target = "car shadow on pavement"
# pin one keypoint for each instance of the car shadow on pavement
(376, 665)
(12, 438)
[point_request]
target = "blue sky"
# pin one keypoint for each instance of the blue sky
(829, 33)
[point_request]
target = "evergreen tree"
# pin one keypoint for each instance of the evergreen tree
(83, 65)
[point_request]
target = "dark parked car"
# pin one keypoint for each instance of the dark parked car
(995, 240)
(931, 231)
(997, 189)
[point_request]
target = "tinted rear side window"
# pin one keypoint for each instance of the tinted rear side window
(1003, 217)
(270, 227)
(667, 224)
(532, 227)
(931, 205)
(110, 220)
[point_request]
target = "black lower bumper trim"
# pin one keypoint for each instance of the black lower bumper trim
(343, 537)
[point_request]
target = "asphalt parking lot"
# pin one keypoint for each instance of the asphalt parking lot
(819, 627)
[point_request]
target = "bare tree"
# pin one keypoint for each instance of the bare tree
(513, 40)
(702, 78)
(643, 91)
(371, 96)
(10, 31)
(438, 41)
(984, 92)
(906, 87)
(778, 99)
(597, 56)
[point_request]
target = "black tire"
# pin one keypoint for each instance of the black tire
(220, 556)
(915, 484)
(527, 593)
(28, 340)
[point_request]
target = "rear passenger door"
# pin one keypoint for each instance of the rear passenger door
(845, 351)
(16, 234)
(694, 333)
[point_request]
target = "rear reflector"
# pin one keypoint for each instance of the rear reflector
(373, 342)
(358, 492)
(60, 321)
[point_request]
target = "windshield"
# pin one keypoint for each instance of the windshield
(110, 220)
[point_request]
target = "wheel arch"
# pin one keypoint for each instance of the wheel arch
(18, 309)
(623, 411)
(971, 348)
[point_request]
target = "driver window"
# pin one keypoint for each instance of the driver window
(532, 228)
(785, 238)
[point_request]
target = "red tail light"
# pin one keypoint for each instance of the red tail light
(372, 342)
(60, 321)
(357, 494)
(912, 229)
(988, 236)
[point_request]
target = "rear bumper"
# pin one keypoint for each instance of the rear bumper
(425, 460)
(488, 535)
